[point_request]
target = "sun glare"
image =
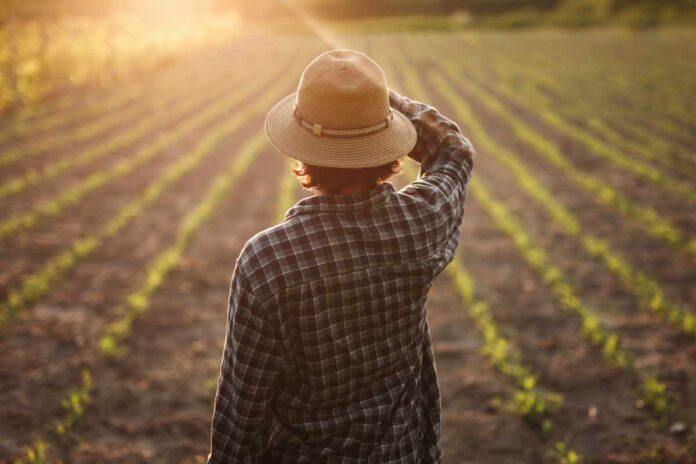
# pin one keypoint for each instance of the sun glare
(319, 28)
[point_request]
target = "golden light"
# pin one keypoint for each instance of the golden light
(98, 43)
(313, 23)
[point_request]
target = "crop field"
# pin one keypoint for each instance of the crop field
(564, 330)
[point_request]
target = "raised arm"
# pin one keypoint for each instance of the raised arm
(446, 160)
(438, 137)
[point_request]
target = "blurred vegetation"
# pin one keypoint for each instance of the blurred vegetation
(633, 13)
(47, 47)
(409, 15)
(50, 45)
(40, 57)
(23, 9)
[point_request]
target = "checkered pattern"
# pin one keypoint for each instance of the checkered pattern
(328, 357)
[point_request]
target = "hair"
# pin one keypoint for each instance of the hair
(332, 180)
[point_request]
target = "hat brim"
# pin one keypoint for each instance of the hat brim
(376, 149)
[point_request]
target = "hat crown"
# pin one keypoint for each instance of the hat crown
(343, 89)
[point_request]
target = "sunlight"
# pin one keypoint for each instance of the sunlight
(313, 23)
(107, 44)
(158, 10)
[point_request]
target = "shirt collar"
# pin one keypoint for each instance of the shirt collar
(342, 202)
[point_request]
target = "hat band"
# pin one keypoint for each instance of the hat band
(320, 131)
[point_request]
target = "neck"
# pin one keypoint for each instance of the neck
(350, 189)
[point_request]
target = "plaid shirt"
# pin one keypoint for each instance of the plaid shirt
(328, 357)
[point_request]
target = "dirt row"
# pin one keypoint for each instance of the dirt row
(549, 339)
(77, 106)
(652, 83)
(156, 402)
(642, 252)
(28, 250)
(51, 234)
(207, 88)
(57, 336)
(479, 57)
(670, 267)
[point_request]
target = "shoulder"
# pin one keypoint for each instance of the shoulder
(267, 257)
(262, 248)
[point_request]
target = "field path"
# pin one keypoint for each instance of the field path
(157, 400)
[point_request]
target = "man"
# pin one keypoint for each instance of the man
(328, 357)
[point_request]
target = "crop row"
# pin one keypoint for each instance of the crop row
(92, 129)
(101, 121)
(647, 291)
(146, 152)
(650, 148)
(672, 99)
(651, 222)
(548, 113)
(35, 285)
(619, 78)
(166, 260)
(535, 405)
(166, 111)
(15, 122)
(97, 127)
(656, 58)
(630, 109)
(75, 405)
(30, 121)
(137, 302)
(653, 392)
(529, 401)
(658, 66)
(77, 108)
(621, 109)
(673, 95)
(638, 137)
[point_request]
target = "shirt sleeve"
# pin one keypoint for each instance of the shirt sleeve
(446, 160)
(251, 362)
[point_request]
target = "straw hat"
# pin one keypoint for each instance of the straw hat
(340, 115)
